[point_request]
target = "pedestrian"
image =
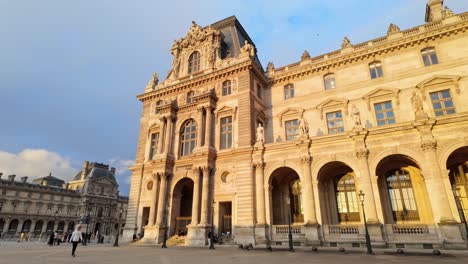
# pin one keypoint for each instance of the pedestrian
(51, 239)
(22, 237)
(209, 239)
(75, 238)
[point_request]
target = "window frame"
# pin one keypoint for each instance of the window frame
(194, 61)
(226, 88)
(337, 128)
(226, 134)
(153, 146)
(190, 97)
(288, 91)
(427, 55)
(415, 213)
(444, 110)
(376, 70)
(349, 190)
(296, 128)
(192, 141)
(328, 83)
(384, 112)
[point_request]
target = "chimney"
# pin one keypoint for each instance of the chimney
(113, 170)
(434, 10)
(11, 177)
(24, 179)
(84, 171)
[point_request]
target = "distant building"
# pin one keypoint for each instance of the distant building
(49, 204)
(223, 140)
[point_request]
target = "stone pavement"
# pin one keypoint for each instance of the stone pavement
(35, 253)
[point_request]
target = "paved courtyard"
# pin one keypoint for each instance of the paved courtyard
(35, 253)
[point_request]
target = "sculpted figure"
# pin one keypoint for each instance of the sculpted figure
(154, 81)
(248, 48)
(346, 43)
(303, 127)
(417, 103)
(356, 116)
(260, 133)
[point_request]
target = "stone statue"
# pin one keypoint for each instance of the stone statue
(270, 66)
(248, 48)
(154, 81)
(346, 43)
(417, 103)
(305, 55)
(356, 116)
(447, 12)
(393, 29)
(303, 127)
(260, 136)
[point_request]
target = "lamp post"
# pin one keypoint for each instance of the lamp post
(456, 193)
(290, 239)
(368, 242)
(212, 227)
(116, 243)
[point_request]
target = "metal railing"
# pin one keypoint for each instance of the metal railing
(410, 229)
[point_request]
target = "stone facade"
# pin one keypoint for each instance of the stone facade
(49, 204)
(222, 141)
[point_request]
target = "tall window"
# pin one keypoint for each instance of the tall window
(346, 199)
(384, 113)
(292, 129)
(289, 91)
(153, 145)
(188, 138)
(335, 122)
(226, 132)
(194, 62)
(158, 103)
(329, 81)
(429, 56)
(190, 97)
(442, 103)
(259, 91)
(376, 69)
(400, 191)
(297, 204)
(226, 88)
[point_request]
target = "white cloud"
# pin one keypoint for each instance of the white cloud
(121, 169)
(36, 163)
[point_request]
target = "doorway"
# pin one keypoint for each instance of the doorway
(225, 215)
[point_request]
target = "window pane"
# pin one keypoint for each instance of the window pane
(378, 107)
(390, 114)
(426, 60)
(380, 72)
(434, 58)
(380, 116)
(338, 114)
(437, 106)
(373, 74)
(445, 94)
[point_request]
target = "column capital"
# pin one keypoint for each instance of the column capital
(195, 170)
(259, 164)
(205, 169)
(200, 108)
(429, 145)
(362, 153)
(305, 159)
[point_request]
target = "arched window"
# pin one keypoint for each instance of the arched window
(227, 87)
(429, 56)
(188, 138)
(13, 226)
(329, 81)
(190, 97)
(289, 91)
(346, 199)
(400, 191)
(194, 62)
(375, 69)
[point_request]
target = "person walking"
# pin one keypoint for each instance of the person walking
(75, 238)
(51, 239)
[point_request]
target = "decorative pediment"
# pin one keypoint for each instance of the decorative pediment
(439, 80)
(226, 110)
(290, 112)
(155, 126)
(333, 103)
(382, 93)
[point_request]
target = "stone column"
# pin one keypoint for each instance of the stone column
(435, 186)
(208, 127)
(152, 212)
(205, 198)
(196, 195)
(20, 226)
(161, 135)
(260, 191)
(199, 126)
(168, 133)
(365, 184)
(162, 200)
(309, 208)
(5, 227)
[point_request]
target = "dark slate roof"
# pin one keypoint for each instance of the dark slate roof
(77, 176)
(100, 173)
(48, 178)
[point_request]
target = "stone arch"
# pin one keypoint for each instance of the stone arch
(317, 165)
(273, 166)
(38, 227)
(457, 166)
(61, 226)
(416, 156)
(13, 226)
(449, 150)
(27, 224)
(337, 206)
(181, 205)
(400, 176)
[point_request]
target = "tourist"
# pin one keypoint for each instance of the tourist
(76, 238)
(51, 239)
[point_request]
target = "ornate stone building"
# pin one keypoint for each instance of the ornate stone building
(222, 141)
(49, 204)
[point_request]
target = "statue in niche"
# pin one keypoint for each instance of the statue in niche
(417, 104)
(356, 116)
(346, 43)
(303, 127)
(248, 48)
(260, 136)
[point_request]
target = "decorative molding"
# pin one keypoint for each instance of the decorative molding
(436, 81)
(392, 29)
(429, 145)
(290, 112)
(382, 93)
(333, 103)
(362, 154)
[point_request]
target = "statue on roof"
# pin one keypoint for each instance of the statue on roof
(248, 49)
(447, 12)
(305, 55)
(154, 81)
(346, 43)
(392, 28)
(270, 66)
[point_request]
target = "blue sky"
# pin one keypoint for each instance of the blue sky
(70, 70)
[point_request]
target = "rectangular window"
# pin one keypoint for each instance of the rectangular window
(226, 88)
(335, 122)
(329, 81)
(442, 103)
(376, 70)
(292, 129)
(153, 145)
(226, 132)
(259, 91)
(384, 113)
(288, 91)
(429, 56)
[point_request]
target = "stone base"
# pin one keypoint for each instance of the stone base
(154, 234)
(452, 236)
(197, 235)
(261, 234)
(127, 235)
(375, 233)
(244, 234)
(312, 234)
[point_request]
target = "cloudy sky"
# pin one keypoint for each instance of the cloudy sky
(70, 70)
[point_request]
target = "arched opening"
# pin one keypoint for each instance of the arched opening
(188, 137)
(50, 227)
(61, 227)
(286, 197)
(182, 198)
(38, 227)
(457, 163)
(337, 194)
(194, 62)
(97, 229)
(26, 226)
(402, 190)
(13, 226)
(71, 226)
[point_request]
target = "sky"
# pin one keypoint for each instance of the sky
(70, 71)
